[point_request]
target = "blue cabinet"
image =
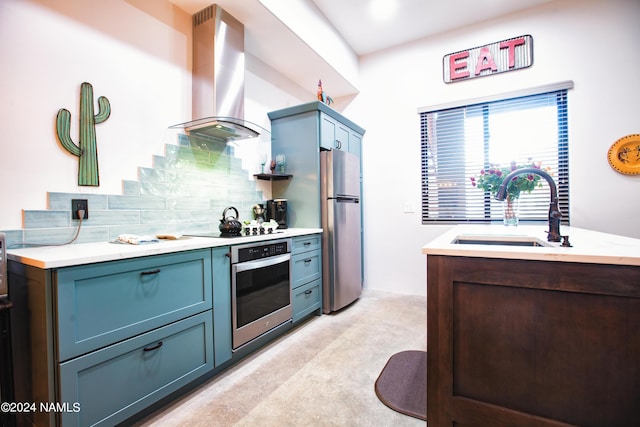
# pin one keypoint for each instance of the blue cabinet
(222, 304)
(123, 327)
(100, 304)
(336, 135)
(306, 243)
(109, 338)
(307, 299)
(111, 384)
(306, 276)
(300, 132)
(305, 267)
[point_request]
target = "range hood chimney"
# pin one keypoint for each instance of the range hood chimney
(218, 77)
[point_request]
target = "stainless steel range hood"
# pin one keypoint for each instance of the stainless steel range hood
(220, 128)
(218, 78)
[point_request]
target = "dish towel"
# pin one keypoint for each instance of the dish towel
(133, 239)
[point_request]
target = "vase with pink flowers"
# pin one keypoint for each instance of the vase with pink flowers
(489, 180)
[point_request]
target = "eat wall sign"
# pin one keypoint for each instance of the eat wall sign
(499, 57)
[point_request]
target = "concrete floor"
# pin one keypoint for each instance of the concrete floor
(320, 374)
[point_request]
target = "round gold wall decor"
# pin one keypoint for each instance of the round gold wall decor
(624, 155)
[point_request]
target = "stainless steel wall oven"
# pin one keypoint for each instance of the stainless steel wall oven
(260, 288)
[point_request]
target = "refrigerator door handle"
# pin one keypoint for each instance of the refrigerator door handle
(343, 199)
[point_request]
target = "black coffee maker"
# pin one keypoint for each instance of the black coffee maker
(277, 211)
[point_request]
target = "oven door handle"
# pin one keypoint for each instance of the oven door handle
(251, 265)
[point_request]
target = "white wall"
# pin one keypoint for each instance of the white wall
(134, 52)
(48, 48)
(591, 42)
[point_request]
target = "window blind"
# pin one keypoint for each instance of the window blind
(457, 143)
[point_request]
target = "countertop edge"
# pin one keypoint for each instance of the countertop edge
(589, 246)
(48, 257)
(557, 257)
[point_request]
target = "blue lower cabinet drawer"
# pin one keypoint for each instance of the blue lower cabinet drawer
(100, 304)
(307, 299)
(305, 268)
(110, 385)
(306, 243)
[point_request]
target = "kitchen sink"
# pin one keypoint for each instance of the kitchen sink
(497, 240)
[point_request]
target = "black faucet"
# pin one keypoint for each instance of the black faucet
(553, 235)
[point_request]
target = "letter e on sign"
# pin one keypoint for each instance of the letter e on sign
(456, 63)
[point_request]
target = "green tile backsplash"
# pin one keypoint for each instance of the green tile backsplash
(185, 191)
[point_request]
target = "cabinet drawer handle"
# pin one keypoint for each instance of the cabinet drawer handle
(307, 261)
(146, 273)
(308, 292)
(155, 347)
(307, 243)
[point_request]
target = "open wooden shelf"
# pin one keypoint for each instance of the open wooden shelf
(272, 176)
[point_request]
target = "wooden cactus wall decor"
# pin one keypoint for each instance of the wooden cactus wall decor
(86, 149)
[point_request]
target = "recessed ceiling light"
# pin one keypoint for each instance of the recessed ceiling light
(383, 10)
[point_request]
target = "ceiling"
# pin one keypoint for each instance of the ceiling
(412, 19)
(409, 20)
(267, 37)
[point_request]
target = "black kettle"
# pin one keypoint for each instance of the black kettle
(229, 225)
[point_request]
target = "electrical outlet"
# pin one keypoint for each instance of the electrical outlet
(79, 204)
(408, 207)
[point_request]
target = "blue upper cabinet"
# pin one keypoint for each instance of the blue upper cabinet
(300, 132)
(334, 135)
(334, 131)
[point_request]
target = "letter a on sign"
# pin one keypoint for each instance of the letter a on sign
(485, 61)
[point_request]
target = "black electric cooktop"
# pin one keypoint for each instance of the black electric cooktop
(218, 235)
(215, 234)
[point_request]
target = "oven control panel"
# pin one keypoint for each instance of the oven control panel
(258, 251)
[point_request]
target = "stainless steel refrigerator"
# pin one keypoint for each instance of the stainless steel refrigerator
(341, 238)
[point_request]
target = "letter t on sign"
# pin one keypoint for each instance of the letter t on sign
(511, 45)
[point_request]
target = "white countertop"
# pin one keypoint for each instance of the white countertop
(88, 253)
(587, 246)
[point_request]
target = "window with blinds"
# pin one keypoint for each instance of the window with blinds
(458, 142)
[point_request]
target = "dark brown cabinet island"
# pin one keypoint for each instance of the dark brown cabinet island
(532, 336)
